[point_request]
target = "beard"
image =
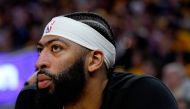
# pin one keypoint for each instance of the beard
(67, 86)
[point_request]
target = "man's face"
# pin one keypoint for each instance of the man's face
(61, 67)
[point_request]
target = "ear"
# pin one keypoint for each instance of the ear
(95, 60)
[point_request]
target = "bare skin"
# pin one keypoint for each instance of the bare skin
(57, 54)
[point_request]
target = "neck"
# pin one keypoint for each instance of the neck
(92, 95)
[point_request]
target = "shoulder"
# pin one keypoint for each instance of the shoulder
(142, 92)
(121, 81)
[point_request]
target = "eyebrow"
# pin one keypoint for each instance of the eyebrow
(51, 41)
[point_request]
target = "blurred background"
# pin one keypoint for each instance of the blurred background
(152, 37)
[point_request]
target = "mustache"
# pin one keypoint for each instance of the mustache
(45, 72)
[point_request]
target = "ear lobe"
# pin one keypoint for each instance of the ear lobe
(96, 60)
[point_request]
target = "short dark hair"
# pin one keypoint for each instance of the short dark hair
(95, 21)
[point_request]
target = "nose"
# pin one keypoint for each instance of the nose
(43, 60)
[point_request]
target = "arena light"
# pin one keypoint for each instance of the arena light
(9, 77)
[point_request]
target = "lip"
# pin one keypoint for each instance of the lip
(44, 81)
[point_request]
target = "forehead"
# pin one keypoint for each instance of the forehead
(51, 38)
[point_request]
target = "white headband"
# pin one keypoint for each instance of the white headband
(83, 35)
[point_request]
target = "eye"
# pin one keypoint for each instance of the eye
(56, 48)
(39, 49)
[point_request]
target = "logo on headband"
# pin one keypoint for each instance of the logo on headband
(49, 27)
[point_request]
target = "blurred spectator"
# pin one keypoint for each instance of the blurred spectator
(34, 35)
(6, 42)
(174, 76)
(136, 62)
(150, 67)
(20, 20)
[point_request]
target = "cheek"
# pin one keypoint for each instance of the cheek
(58, 66)
(61, 63)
